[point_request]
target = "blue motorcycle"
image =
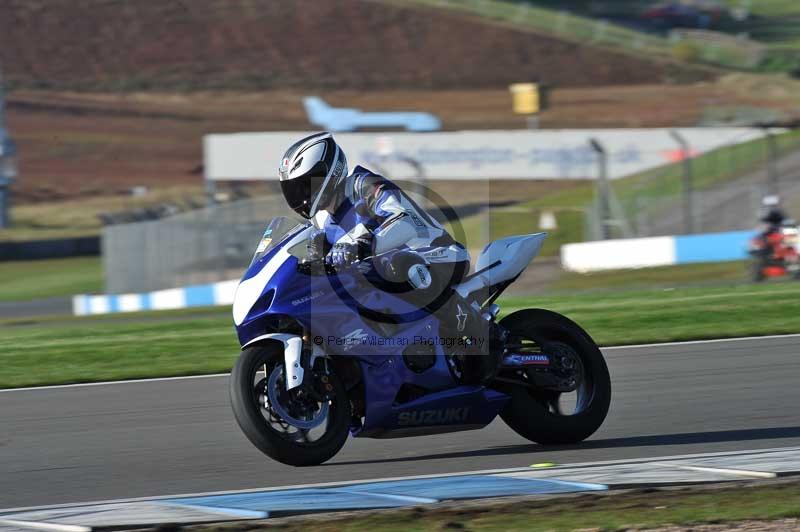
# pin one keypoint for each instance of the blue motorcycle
(326, 355)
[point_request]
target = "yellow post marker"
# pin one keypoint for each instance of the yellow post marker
(543, 465)
(525, 98)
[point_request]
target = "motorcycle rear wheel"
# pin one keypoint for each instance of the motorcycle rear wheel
(535, 414)
(261, 421)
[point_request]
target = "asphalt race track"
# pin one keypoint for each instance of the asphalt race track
(86, 443)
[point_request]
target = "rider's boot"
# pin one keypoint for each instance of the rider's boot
(471, 333)
(474, 335)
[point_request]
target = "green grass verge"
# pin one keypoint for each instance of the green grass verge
(635, 510)
(118, 347)
(674, 314)
(774, 22)
(52, 351)
(26, 280)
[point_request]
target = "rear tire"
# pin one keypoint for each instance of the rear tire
(249, 413)
(526, 413)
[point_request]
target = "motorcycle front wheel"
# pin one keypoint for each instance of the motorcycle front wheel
(550, 417)
(300, 427)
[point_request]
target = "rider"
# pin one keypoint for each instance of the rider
(772, 237)
(364, 215)
(773, 215)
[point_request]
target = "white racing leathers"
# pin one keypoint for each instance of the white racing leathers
(413, 257)
(409, 247)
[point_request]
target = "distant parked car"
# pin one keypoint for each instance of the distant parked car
(684, 15)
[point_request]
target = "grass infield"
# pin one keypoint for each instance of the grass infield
(26, 280)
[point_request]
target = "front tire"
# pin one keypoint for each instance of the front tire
(261, 422)
(534, 414)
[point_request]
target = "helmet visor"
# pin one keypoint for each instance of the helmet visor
(300, 193)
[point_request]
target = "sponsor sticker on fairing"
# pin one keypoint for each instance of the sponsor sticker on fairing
(433, 417)
(526, 360)
(265, 242)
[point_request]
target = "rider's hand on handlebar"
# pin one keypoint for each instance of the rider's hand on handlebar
(342, 254)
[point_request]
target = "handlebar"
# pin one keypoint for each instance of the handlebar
(313, 267)
(320, 267)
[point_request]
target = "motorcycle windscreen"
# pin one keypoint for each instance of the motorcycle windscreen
(277, 230)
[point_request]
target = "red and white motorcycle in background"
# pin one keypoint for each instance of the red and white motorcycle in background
(776, 252)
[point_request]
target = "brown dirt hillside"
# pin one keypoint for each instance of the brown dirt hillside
(253, 44)
(95, 144)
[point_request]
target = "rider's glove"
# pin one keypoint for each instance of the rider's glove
(342, 254)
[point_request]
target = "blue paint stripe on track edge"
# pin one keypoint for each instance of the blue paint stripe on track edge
(296, 501)
(473, 487)
(389, 494)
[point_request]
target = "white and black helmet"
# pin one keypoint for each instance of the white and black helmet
(309, 172)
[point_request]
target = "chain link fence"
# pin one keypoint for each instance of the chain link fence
(721, 190)
(202, 246)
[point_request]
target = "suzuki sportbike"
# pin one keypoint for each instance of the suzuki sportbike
(325, 355)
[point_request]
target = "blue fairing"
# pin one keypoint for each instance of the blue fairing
(328, 306)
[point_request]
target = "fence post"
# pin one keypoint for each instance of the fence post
(211, 191)
(772, 162)
(600, 30)
(602, 194)
(8, 164)
(688, 185)
(523, 11)
(561, 22)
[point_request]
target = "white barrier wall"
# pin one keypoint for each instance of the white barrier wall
(527, 154)
(618, 254)
(657, 251)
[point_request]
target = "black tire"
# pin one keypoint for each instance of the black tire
(525, 413)
(254, 425)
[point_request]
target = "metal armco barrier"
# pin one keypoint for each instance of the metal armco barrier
(50, 249)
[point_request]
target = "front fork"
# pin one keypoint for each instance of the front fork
(296, 359)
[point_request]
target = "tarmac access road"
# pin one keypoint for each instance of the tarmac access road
(51, 306)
